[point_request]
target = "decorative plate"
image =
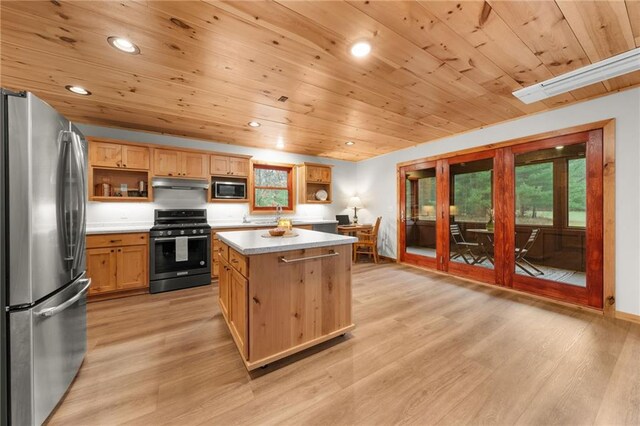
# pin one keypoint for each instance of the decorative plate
(322, 195)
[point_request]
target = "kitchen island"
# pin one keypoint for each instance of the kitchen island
(281, 295)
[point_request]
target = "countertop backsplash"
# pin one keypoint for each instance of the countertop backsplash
(101, 214)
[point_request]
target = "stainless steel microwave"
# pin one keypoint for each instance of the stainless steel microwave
(230, 190)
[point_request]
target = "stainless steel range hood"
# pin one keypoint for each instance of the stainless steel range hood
(176, 183)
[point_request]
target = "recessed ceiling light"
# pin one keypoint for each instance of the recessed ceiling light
(123, 45)
(559, 147)
(360, 49)
(349, 143)
(280, 143)
(253, 124)
(78, 90)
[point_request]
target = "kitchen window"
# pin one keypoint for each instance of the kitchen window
(272, 187)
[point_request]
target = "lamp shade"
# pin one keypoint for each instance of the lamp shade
(355, 202)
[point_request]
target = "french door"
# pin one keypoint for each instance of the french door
(528, 217)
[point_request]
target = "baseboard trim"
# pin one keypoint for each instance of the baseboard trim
(628, 317)
(388, 259)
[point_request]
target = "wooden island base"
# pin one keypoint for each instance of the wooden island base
(277, 304)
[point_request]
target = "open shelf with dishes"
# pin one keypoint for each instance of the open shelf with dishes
(314, 183)
(106, 184)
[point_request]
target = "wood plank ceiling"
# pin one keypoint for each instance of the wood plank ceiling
(208, 68)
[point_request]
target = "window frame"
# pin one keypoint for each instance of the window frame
(291, 188)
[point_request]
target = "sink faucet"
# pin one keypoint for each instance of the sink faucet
(245, 219)
(278, 213)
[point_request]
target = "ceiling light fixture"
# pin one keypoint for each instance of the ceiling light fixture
(123, 45)
(603, 70)
(350, 143)
(360, 49)
(280, 143)
(78, 90)
(253, 124)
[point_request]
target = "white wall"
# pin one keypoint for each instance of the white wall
(344, 181)
(377, 176)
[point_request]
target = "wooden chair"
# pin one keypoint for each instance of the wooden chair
(462, 248)
(367, 242)
(522, 252)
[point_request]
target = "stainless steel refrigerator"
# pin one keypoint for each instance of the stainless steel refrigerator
(43, 166)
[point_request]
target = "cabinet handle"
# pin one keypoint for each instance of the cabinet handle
(234, 260)
(112, 251)
(124, 165)
(119, 250)
(114, 241)
(301, 259)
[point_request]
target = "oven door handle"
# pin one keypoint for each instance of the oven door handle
(200, 237)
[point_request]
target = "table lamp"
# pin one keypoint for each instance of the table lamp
(355, 204)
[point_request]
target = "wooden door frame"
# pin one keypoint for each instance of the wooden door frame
(402, 202)
(592, 295)
(608, 127)
(488, 275)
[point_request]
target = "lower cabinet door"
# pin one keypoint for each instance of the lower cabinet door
(132, 267)
(224, 289)
(101, 268)
(238, 312)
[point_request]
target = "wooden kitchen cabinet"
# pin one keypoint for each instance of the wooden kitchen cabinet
(229, 165)
(194, 165)
(105, 154)
(101, 268)
(238, 312)
(180, 164)
(312, 178)
(224, 288)
(118, 263)
(132, 265)
(284, 307)
(114, 155)
(135, 157)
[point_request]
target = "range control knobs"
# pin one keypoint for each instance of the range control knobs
(168, 232)
(194, 231)
(181, 232)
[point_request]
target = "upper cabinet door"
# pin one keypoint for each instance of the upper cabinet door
(135, 157)
(219, 165)
(194, 165)
(238, 166)
(105, 154)
(166, 162)
(325, 174)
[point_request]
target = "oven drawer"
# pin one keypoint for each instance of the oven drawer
(117, 240)
(238, 261)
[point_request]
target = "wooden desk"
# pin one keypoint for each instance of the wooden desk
(352, 229)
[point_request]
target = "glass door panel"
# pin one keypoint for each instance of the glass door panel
(471, 218)
(419, 227)
(555, 230)
(550, 233)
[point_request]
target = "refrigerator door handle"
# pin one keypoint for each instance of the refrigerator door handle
(82, 202)
(65, 219)
(49, 312)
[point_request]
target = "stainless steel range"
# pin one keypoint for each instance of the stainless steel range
(180, 250)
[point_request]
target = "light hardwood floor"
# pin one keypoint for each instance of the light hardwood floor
(428, 349)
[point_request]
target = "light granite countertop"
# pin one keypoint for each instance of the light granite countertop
(124, 228)
(266, 223)
(252, 242)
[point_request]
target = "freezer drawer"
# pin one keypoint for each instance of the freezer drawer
(48, 344)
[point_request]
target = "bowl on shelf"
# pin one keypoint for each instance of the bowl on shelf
(277, 232)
